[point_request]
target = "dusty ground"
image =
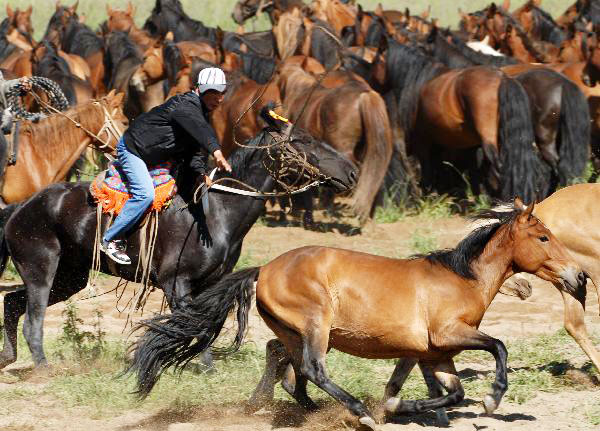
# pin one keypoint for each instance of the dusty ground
(508, 318)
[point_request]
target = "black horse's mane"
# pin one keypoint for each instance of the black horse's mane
(81, 40)
(173, 62)
(408, 69)
(119, 49)
(549, 29)
(54, 67)
(479, 57)
(459, 259)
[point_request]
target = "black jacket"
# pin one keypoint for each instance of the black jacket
(177, 129)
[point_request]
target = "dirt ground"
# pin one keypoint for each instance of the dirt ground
(508, 318)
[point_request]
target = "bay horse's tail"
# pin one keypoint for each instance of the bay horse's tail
(5, 214)
(377, 137)
(522, 172)
(176, 338)
(575, 133)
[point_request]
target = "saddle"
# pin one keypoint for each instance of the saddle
(110, 189)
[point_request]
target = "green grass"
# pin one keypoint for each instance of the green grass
(215, 13)
(422, 242)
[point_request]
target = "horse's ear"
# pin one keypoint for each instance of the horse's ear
(536, 3)
(492, 10)
(378, 10)
(529, 211)
(9, 12)
(108, 9)
(425, 14)
(407, 13)
(506, 5)
(111, 93)
(57, 4)
(130, 9)
(117, 100)
(29, 10)
(589, 27)
(432, 35)
(73, 8)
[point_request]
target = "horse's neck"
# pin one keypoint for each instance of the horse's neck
(494, 266)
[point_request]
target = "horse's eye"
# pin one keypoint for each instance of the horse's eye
(544, 238)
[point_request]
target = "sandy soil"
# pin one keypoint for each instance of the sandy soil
(507, 318)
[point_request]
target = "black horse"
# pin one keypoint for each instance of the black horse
(50, 237)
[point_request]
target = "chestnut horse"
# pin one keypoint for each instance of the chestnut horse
(351, 118)
(48, 149)
(318, 298)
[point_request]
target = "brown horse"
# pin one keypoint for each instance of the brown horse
(318, 298)
(48, 149)
(571, 215)
(19, 30)
(122, 20)
(351, 118)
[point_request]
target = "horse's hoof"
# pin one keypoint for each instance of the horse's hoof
(392, 405)
(368, 421)
(490, 404)
(442, 418)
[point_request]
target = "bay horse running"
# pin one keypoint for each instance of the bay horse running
(50, 237)
(49, 148)
(443, 112)
(572, 215)
(352, 118)
(318, 298)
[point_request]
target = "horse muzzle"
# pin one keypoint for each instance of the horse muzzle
(573, 279)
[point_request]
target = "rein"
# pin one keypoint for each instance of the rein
(108, 127)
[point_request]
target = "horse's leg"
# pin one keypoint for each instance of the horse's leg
(464, 337)
(403, 368)
(575, 326)
(434, 389)
(14, 307)
(276, 363)
(442, 372)
(314, 349)
(68, 280)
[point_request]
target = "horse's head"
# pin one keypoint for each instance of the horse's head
(296, 158)
(120, 20)
(245, 9)
(151, 70)
(20, 19)
(537, 251)
(61, 18)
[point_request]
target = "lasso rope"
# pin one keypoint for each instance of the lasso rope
(57, 99)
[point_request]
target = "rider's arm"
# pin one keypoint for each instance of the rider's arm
(204, 136)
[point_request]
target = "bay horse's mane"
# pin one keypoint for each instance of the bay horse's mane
(408, 69)
(549, 29)
(58, 131)
(119, 50)
(459, 258)
(479, 57)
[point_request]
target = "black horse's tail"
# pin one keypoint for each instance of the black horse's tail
(522, 173)
(5, 214)
(575, 133)
(177, 338)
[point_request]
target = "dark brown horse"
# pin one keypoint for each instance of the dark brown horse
(318, 298)
(352, 118)
(443, 112)
(51, 236)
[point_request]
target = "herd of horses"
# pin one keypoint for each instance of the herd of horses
(381, 102)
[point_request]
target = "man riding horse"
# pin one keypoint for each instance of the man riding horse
(179, 128)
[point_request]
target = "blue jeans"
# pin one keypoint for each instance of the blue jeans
(140, 187)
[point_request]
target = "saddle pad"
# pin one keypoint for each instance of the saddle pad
(110, 190)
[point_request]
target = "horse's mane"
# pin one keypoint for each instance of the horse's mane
(479, 57)
(81, 40)
(459, 259)
(549, 29)
(447, 53)
(173, 61)
(119, 49)
(408, 70)
(54, 67)
(258, 68)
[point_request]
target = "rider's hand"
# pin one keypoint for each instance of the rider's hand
(26, 83)
(221, 162)
(207, 181)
